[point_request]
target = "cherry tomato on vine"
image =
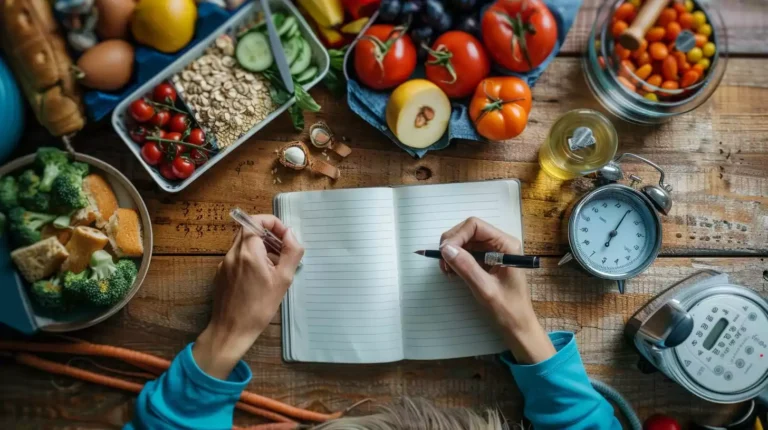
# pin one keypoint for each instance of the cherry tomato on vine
(519, 35)
(139, 134)
(457, 63)
(164, 93)
(151, 153)
(385, 57)
(160, 118)
(198, 157)
(141, 111)
(179, 123)
(166, 170)
(183, 167)
(196, 137)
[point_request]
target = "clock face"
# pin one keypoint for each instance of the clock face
(615, 233)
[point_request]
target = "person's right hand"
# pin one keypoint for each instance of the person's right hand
(503, 290)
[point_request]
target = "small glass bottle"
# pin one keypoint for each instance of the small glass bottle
(580, 142)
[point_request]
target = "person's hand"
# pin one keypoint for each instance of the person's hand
(249, 286)
(502, 290)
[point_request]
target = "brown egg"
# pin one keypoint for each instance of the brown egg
(114, 18)
(107, 66)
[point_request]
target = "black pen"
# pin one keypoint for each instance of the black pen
(493, 258)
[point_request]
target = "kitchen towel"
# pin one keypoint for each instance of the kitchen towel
(371, 105)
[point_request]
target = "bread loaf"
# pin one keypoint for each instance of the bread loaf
(40, 260)
(124, 230)
(84, 242)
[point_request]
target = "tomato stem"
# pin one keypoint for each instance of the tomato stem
(154, 138)
(165, 106)
(381, 49)
(496, 103)
(442, 58)
(521, 27)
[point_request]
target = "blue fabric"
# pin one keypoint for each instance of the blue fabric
(150, 62)
(185, 397)
(371, 105)
(11, 111)
(557, 391)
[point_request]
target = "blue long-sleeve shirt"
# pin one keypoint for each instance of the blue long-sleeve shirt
(557, 394)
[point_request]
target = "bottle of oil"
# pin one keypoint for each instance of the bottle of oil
(580, 142)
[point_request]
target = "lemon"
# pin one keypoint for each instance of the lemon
(166, 25)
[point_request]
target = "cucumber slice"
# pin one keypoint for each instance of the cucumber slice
(253, 53)
(286, 25)
(305, 57)
(278, 19)
(292, 48)
(293, 32)
(307, 75)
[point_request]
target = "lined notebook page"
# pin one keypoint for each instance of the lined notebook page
(345, 300)
(440, 317)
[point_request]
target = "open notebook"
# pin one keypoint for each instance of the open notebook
(363, 296)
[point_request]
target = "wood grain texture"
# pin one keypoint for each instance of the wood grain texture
(173, 306)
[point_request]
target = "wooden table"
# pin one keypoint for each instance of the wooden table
(716, 158)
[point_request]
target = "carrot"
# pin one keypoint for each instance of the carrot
(272, 416)
(302, 414)
(271, 426)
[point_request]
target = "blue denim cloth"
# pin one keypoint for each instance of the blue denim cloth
(150, 62)
(371, 105)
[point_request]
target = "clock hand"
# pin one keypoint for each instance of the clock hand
(615, 231)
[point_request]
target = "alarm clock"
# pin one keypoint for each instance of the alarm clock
(614, 231)
(708, 335)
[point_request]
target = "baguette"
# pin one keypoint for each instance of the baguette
(102, 202)
(124, 230)
(40, 260)
(84, 242)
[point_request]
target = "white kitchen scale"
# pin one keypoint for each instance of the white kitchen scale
(708, 335)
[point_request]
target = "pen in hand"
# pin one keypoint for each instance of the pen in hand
(491, 258)
(272, 242)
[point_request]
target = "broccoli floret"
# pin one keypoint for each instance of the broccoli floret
(75, 285)
(25, 225)
(77, 168)
(30, 195)
(9, 193)
(67, 193)
(109, 282)
(51, 162)
(48, 294)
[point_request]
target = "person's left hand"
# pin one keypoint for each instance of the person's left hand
(249, 286)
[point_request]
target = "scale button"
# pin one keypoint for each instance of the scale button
(752, 316)
(740, 363)
(719, 370)
(749, 350)
(728, 376)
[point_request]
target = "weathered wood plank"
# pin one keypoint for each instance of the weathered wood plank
(173, 305)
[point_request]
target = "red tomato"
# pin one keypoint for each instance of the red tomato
(384, 58)
(198, 157)
(196, 137)
(164, 93)
(507, 22)
(151, 153)
(160, 118)
(172, 150)
(661, 422)
(138, 134)
(457, 63)
(183, 167)
(166, 170)
(141, 111)
(179, 123)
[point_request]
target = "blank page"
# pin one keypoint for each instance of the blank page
(441, 318)
(345, 301)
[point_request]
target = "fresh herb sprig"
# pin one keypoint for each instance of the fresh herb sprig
(335, 80)
(280, 96)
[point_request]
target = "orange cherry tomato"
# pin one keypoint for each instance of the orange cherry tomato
(601, 62)
(658, 51)
(669, 68)
(626, 12)
(667, 15)
(698, 68)
(627, 84)
(673, 29)
(655, 34)
(643, 59)
(686, 20)
(679, 8)
(701, 40)
(682, 62)
(500, 107)
(622, 52)
(655, 81)
(644, 71)
(689, 78)
(618, 28)
(670, 85)
(639, 51)
(626, 69)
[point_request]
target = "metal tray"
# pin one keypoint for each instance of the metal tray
(319, 56)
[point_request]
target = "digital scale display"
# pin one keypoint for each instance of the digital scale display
(717, 330)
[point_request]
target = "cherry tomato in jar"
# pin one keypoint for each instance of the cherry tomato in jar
(658, 51)
(183, 167)
(670, 85)
(655, 34)
(686, 20)
(166, 170)
(151, 153)
(667, 15)
(198, 157)
(385, 57)
(456, 63)
(673, 29)
(618, 27)
(138, 134)
(669, 68)
(626, 12)
(179, 123)
(689, 78)
(141, 111)
(160, 118)
(164, 93)
(196, 137)
(661, 422)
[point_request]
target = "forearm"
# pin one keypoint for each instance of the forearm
(525, 337)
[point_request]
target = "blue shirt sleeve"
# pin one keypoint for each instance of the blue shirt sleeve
(185, 397)
(557, 391)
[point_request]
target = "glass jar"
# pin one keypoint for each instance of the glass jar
(612, 71)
